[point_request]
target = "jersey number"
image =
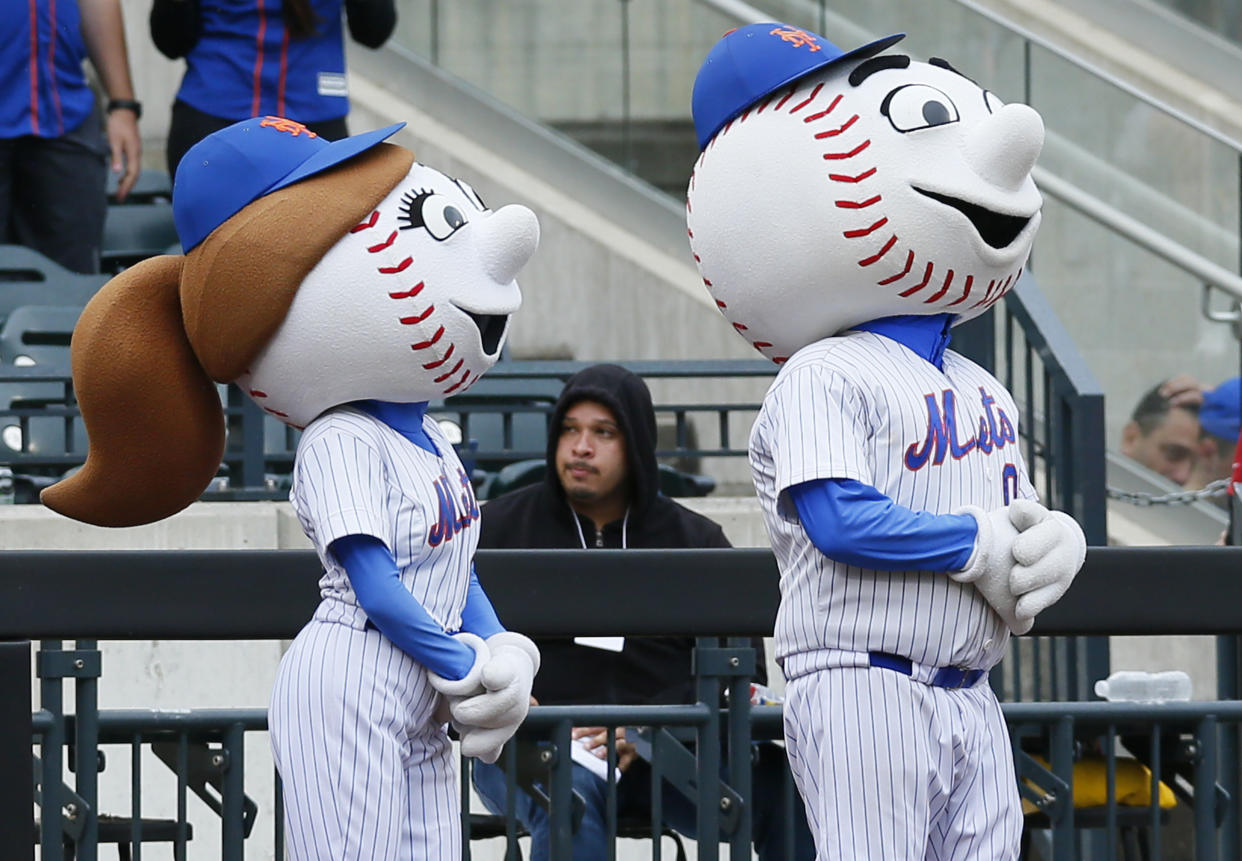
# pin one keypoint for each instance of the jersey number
(1009, 482)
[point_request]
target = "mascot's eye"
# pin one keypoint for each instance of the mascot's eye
(992, 101)
(917, 106)
(435, 213)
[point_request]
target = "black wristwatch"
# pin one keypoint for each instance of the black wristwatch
(128, 104)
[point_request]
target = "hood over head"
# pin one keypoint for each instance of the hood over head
(629, 399)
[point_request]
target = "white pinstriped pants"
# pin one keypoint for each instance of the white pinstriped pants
(891, 769)
(367, 773)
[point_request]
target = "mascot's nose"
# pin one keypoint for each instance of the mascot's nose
(1002, 149)
(507, 239)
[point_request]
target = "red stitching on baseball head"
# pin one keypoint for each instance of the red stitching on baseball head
(970, 280)
(400, 267)
(422, 345)
(865, 231)
(408, 294)
(840, 177)
(807, 101)
(859, 204)
(902, 274)
(833, 156)
(832, 133)
(867, 261)
(366, 224)
(933, 297)
(410, 321)
(387, 242)
(917, 287)
(810, 118)
(431, 366)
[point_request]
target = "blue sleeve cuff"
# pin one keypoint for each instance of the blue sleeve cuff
(853, 523)
(394, 611)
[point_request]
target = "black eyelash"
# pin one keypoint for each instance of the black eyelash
(412, 208)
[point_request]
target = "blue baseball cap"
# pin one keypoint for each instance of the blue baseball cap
(1221, 413)
(237, 165)
(755, 61)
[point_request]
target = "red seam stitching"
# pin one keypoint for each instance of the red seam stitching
(366, 224)
(840, 177)
(422, 345)
(970, 280)
(391, 239)
(465, 375)
(809, 99)
(825, 112)
(431, 366)
(448, 373)
(832, 156)
(408, 294)
(410, 321)
(902, 274)
(400, 267)
(832, 133)
(917, 287)
(858, 204)
(867, 261)
(741, 327)
(941, 291)
(866, 231)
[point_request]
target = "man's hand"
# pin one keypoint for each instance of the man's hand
(595, 740)
(126, 146)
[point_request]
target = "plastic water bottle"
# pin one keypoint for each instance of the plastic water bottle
(1137, 686)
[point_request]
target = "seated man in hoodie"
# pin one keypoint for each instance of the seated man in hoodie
(602, 492)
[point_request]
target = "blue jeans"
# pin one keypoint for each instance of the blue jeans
(590, 841)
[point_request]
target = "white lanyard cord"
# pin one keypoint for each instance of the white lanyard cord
(625, 522)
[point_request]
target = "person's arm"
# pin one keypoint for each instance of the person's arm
(370, 22)
(854, 523)
(174, 26)
(104, 34)
(478, 616)
(395, 612)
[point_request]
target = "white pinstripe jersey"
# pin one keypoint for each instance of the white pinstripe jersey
(861, 406)
(355, 475)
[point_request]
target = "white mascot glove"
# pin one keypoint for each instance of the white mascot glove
(991, 564)
(470, 684)
(487, 719)
(1049, 552)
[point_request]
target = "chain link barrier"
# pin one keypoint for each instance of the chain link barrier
(1217, 488)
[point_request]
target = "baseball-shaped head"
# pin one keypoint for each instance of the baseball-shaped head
(316, 273)
(835, 188)
(413, 303)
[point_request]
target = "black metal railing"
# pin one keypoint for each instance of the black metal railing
(702, 593)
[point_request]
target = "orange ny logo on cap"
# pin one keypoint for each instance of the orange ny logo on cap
(797, 38)
(290, 127)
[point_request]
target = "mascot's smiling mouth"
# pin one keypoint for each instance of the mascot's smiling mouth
(996, 229)
(491, 329)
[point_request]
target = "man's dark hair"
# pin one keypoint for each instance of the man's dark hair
(1152, 409)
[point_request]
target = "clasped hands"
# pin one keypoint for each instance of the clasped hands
(1025, 559)
(491, 701)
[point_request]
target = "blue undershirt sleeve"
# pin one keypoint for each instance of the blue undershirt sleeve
(394, 611)
(854, 523)
(478, 616)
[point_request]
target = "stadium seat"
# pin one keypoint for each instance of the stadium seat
(152, 185)
(38, 334)
(29, 278)
(134, 232)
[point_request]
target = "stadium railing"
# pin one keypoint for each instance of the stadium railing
(710, 594)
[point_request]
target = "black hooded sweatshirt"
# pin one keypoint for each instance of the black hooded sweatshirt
(648, 669)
